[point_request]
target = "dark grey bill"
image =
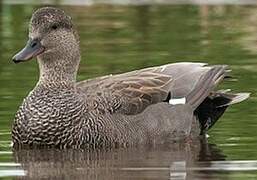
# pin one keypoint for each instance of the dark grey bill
(32, 49)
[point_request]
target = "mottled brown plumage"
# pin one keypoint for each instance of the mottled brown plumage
(121, 110)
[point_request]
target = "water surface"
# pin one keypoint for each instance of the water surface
(120, 38)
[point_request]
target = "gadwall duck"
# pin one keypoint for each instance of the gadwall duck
(152, 105)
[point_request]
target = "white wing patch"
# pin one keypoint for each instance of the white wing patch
(175, 101)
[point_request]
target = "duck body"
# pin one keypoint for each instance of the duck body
(151, 105)
(84, 116)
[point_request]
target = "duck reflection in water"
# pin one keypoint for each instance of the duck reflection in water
(166, 161)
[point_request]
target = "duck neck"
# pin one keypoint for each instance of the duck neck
(58, 71)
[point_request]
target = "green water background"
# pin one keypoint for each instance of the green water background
(116, 39)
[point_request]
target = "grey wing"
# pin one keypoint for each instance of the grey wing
(131, 93)
(128, 93)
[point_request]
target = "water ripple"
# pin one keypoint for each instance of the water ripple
(15, 172)
(5, 152)
(10, 164)
(203, 166)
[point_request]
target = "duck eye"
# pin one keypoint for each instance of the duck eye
(54, 26)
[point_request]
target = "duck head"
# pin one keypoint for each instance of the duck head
(53, 41)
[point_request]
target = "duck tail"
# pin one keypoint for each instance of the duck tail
(212, 108)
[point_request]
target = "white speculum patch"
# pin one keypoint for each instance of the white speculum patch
(175, 101)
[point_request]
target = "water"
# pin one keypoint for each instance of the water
(120, 38)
